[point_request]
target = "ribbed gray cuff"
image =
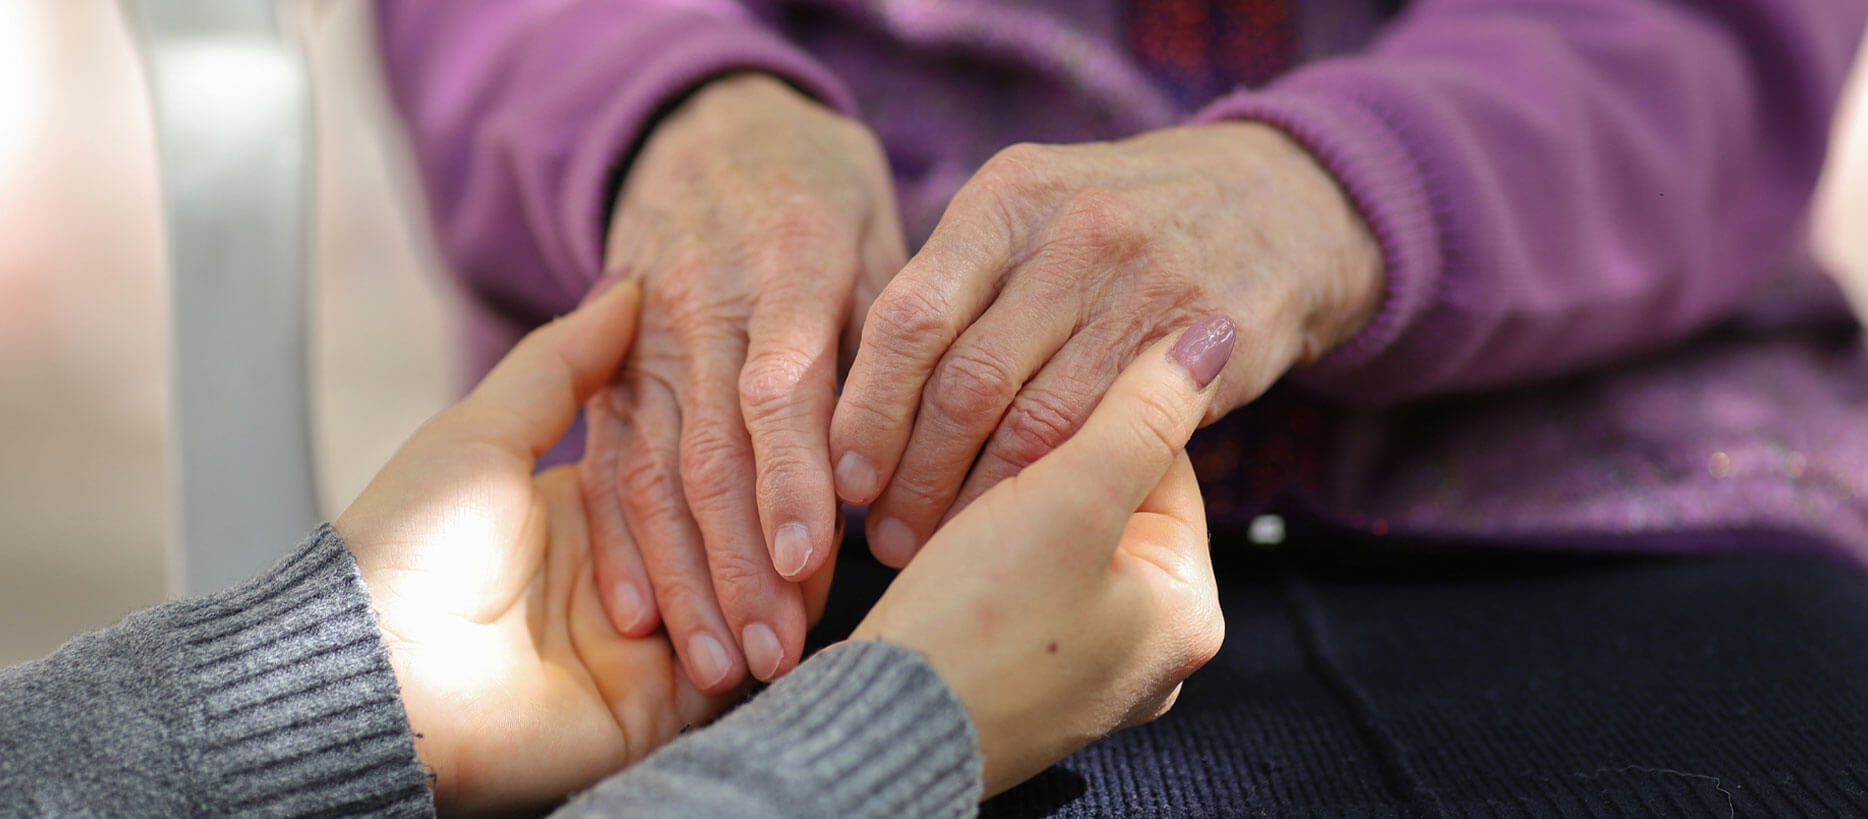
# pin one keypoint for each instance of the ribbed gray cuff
(877, 730)
(286, 699)
(864, 729)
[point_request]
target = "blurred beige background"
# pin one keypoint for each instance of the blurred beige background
(83, 308)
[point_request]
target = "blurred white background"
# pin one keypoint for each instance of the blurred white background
(83, 304)
(83, 308)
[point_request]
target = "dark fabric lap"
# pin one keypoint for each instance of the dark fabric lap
(1361, 680)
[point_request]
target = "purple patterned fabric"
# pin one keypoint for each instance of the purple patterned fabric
(1555, 186)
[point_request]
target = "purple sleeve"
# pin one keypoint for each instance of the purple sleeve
(1557, 183)
(520, 111)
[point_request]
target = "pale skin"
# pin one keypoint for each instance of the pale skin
(516, 685)
(520, 692)
(1073, 598)
(758, 222)
(1053, 267)
(763, 227)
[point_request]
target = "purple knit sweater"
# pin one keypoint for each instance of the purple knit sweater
(1584, 206)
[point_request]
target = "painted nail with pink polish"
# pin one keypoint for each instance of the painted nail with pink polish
(1205, 347)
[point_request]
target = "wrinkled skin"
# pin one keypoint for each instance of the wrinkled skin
(757, 220)
(1073, 598)
(1053, 267)
(1091, 587)
(763, 227)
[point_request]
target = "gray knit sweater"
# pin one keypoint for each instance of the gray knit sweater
(276, 697)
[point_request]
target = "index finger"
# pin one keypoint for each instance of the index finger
(915, 319)
(1142, 424)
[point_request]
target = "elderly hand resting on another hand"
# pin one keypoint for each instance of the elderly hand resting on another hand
(763, 227)
(760, 224)
(1057, 264)
(1067, 602)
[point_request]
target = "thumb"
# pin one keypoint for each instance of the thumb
(1098, 477)
(530, 398)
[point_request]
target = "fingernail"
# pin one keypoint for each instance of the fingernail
(791, 549)
(1205, 347)
(894, 544)
(708, 660)
(763, 653)
(626, 606)
(856, 478)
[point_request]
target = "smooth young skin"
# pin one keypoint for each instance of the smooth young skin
(1073, 598)
(518, 688)
(758, 222)
(1057, 264)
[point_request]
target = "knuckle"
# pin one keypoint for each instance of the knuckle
(860, 416)
(1104, 222)
(786, 474)
(972, 382)
(1008, 184)
(711, 462)
(650, 485)
(1037, 423)
(1199, 649)
(739, 579)
(1211, 639)
(769, 383)
(1016, 165)
(682, 595)
(918, 493)
(1204, 631)
(904, 320)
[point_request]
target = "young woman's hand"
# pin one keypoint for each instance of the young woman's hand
(516, 685)
(1074, 597)
(1057, 264)
(758, 221)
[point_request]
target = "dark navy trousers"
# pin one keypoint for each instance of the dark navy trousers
(1376, 679)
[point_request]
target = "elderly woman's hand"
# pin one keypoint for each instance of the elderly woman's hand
(757, 220)
(1053, 267)
(1074, 598)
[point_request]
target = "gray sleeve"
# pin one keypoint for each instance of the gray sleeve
(274, 697)
(862, 729)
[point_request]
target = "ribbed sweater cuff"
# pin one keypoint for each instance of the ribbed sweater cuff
(879, 731)
(659, 58)
(863, 729)
(1323, 110)
(287, 704)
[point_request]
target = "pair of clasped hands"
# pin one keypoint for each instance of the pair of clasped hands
(1014, 413)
